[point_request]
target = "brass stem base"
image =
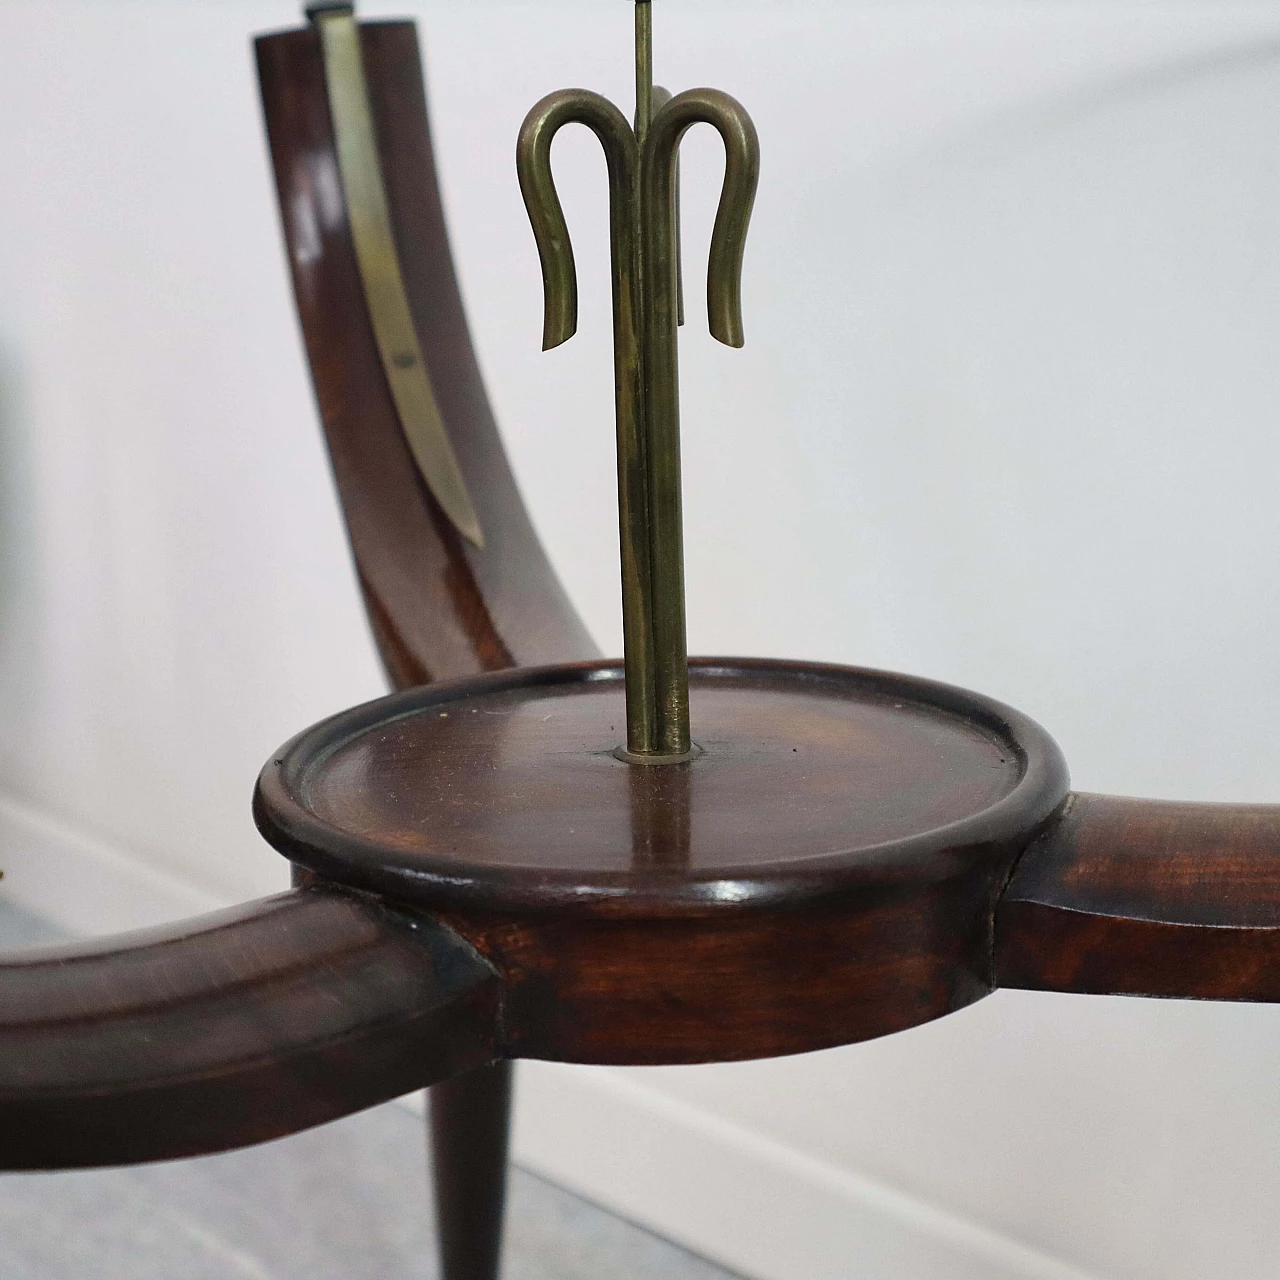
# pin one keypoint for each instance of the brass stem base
(654, 757)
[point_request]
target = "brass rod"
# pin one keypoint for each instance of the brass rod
(662, 412)
(560, 303)
(661, 363)
(661, 97)
(644, 68)
(644, 236)
(634, 516)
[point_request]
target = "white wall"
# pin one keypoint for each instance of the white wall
(1006, 417)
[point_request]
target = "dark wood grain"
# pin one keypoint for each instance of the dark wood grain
(438, 606)
(761, 985)
(502, 792)
(823, 872)
(470, 1118)
(231, 1029)
(1147, 897)
(123, 1063)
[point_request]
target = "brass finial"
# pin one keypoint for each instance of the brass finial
(644, 238)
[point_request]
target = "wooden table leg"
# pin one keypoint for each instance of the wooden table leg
(469, 1124)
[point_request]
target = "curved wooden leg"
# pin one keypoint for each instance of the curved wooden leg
(1148, 898)
(469, 1123)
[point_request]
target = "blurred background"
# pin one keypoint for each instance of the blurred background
(1006, 417)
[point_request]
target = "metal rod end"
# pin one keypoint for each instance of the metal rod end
(651, 758)
(330, 9)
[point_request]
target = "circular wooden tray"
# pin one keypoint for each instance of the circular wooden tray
(503, 791)
(825, 801)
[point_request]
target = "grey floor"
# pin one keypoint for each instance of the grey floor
(344, 1202)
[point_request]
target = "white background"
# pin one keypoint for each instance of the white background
(1006, 417)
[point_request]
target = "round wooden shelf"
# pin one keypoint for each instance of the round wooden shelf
(504, 792)
(825, 800)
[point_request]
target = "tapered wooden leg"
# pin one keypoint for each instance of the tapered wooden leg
(469, 1120)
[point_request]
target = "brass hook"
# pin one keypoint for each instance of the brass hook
(644, 237)
(662, 386)
(560, 322)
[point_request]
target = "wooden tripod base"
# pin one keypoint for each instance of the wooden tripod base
(824, 871)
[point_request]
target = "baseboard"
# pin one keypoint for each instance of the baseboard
(721, 1190)
(739, 1198)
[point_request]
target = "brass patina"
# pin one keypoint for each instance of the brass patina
(644, 237)
(384, 291)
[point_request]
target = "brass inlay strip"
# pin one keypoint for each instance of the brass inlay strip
(384, 290)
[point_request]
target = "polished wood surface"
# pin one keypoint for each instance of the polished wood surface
(504, 792)
(824, 871)
(231, 1029)
(130, 1038)
(896, 868)
(470, 1119)
(439, 606)
(525, 779)
(1147, 897)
